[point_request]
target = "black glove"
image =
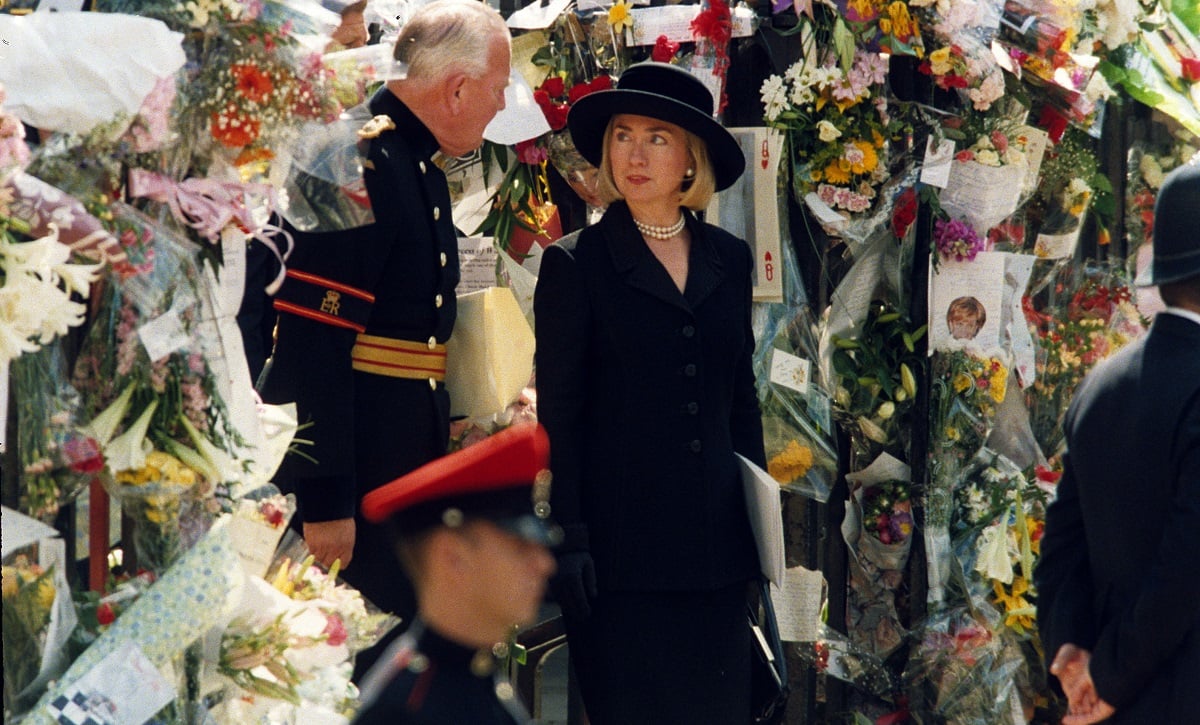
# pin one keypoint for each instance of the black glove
(574, 584)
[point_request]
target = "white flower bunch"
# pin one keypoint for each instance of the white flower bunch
(35, 299)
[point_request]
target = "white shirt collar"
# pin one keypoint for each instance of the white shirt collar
(1193, 316)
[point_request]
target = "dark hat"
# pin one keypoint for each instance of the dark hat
(668, 93)
(1176, 238)
(503, 478)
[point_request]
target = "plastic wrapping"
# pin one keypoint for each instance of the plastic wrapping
(324, 190)
(38, 618)
(964, 671)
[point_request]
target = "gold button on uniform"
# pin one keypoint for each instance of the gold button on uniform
(432, 342)
(437, 301)
(421, 166)
(433, 383)
(443, 259)
(437, 213)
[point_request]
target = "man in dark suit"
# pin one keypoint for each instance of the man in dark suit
(364, 314)
(1119, 576)
(472, 530)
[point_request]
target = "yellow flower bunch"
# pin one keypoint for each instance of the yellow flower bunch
(791, 463)
(22, 574)
(159, 467)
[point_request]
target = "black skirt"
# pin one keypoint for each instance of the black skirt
(665, 657)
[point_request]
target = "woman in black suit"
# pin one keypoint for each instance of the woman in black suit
(645, 386)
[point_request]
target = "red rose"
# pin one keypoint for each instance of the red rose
(905, 213)
(105, 614)
(553, 86)
(1191, 69)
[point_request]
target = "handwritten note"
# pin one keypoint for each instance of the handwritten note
(798, 604)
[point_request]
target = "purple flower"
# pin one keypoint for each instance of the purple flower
(957, 240)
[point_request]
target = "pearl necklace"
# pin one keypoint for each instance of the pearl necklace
(657, 232)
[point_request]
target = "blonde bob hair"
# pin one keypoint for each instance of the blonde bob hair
(695, 192)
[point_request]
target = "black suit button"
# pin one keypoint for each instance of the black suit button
(689, 370)
(688, 330)
(693, 407)
(695, 446)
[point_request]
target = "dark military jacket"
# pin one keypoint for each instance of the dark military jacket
(646, 394)
(394, 278)
(428, 679)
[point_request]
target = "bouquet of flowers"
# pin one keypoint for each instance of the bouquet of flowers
(967, 388)
(150, 393)
(996, 528)
(965, 669)
(967, 67)
(877, 381)
(31, 596)
(57, 459)
(991, 158)
(846, 160)
(797, 430)
(1096, 320)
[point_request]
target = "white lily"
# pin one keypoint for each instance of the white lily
(105, 424)
(993, 561)
(78, 277)
(193, 460)
(220, 467)
(127, 452)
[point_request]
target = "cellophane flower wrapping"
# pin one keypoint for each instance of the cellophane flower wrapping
(292, 642)
(965, 669)
(996, 530)
(38, 617)
(197, 593)
(793, 394)
(57, 459)
(149, 390)
(1078, 318)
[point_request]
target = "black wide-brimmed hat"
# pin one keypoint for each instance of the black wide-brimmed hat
(1176, 239)
(662, 91)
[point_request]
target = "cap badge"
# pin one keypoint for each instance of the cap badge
(452, 517)
(541, 494)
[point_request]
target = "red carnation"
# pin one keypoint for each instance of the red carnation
(664, 50)
(105, 614)
(905, 212)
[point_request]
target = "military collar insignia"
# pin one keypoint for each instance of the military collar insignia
(376, 126)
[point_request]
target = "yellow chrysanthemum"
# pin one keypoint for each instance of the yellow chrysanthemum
(963, 382)
(791, 463)
(10, 581)
(998, 385)
(866, 9)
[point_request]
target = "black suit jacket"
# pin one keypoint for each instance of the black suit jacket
(1119, 572)
(646, 393)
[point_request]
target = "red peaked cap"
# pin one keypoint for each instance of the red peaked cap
(503, 478)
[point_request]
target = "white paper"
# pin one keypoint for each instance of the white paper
(476, 264)
(124, 688)
(18, 531)
(536, 16)
(885, 467)
(935, 170)
(1018, 268)
(982, 195)
(798, 605)
(1036, 141)
(163, 335)
(957, 285)
(749, 209)
(824, 213)
(766, 517)
(790, 371)
(255, 542)
(675, 22)
(1057, 246)
(63, 72)
(521, 119)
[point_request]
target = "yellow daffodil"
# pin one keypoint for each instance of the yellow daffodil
(619, 17)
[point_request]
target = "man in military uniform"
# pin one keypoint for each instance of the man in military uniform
(364, 313)
(472, 532)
